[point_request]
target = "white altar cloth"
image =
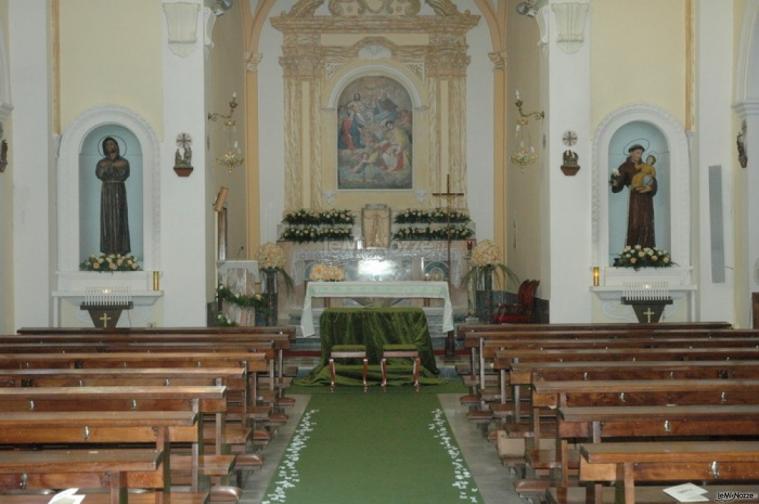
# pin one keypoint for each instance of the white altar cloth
(397, 290)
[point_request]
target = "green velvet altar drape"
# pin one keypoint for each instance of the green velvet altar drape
(374, 327)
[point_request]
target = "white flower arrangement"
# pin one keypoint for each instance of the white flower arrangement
(326, 273)
(110, 262)
(486, 253)
(643, 257)
(271, 256)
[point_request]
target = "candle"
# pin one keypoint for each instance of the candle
(516, 94)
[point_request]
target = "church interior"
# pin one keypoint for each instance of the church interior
(376, 251)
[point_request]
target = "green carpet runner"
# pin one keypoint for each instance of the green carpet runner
(352, 447)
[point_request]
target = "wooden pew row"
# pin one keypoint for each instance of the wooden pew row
(163, 332)
(46, 403)
(629, 463)
(504, 359)
(242, 405)
(560, 395)
(114, 469)
(475, 341)
(235, 379)
(464, 329)
(260, 343)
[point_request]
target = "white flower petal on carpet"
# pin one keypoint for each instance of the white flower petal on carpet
(462, 478)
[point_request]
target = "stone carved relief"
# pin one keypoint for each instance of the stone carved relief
(374, 7)
(310, 67)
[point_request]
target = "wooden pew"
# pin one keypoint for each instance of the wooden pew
(629, 463)
(201, 400)
(596, 424)
(475, 341)
(162, 428)
(87, 468)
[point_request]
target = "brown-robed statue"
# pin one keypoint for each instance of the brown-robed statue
(113, 170)
(640, 178)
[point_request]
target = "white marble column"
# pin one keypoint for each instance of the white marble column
(184, 200)
(713, 146)
(33, 177)
(749, 266)
(566, 71)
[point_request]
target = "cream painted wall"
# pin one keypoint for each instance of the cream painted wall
(224, 75)
(6, 210)
(637, 55)
(96, 68)
(526, 196)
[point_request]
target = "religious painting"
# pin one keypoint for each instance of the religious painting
(376, 226)
(374, 137)
(639, 183)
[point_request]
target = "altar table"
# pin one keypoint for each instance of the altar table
(394, 290)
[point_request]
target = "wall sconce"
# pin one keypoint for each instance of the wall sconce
(525, 153)
(232, 157)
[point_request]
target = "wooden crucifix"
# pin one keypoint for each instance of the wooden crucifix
(450, 196)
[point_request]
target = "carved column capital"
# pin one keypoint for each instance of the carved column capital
(181, 26)
(499, 60)
(252, 60)
(571, 22)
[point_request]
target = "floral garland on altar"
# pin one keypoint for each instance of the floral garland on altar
(434, 216)
(312, 233)
(456, 232)
(255, 301)
(304, 216)
(643, 257)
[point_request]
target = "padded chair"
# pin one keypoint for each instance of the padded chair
(521, 312)
(348, 352)
(400, 351)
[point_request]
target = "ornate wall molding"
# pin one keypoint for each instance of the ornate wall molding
(316, 72)
(374, 7)
(182, 26)
(571, 21)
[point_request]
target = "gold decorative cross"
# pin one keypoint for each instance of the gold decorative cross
(448, 195)
(649, 313)
(104, 319)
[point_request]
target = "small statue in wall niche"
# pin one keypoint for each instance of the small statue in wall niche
(741, 144)
(183, 155)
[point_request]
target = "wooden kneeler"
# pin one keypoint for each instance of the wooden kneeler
(401, 352)
(348, 352)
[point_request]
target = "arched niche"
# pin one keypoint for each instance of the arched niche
(90, 189)
(666, 136)
(657, 149)
(78, 152)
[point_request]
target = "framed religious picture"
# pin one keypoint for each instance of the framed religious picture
(374, 137)
(376, 226)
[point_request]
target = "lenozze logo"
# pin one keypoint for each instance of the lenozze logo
(732, 495)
